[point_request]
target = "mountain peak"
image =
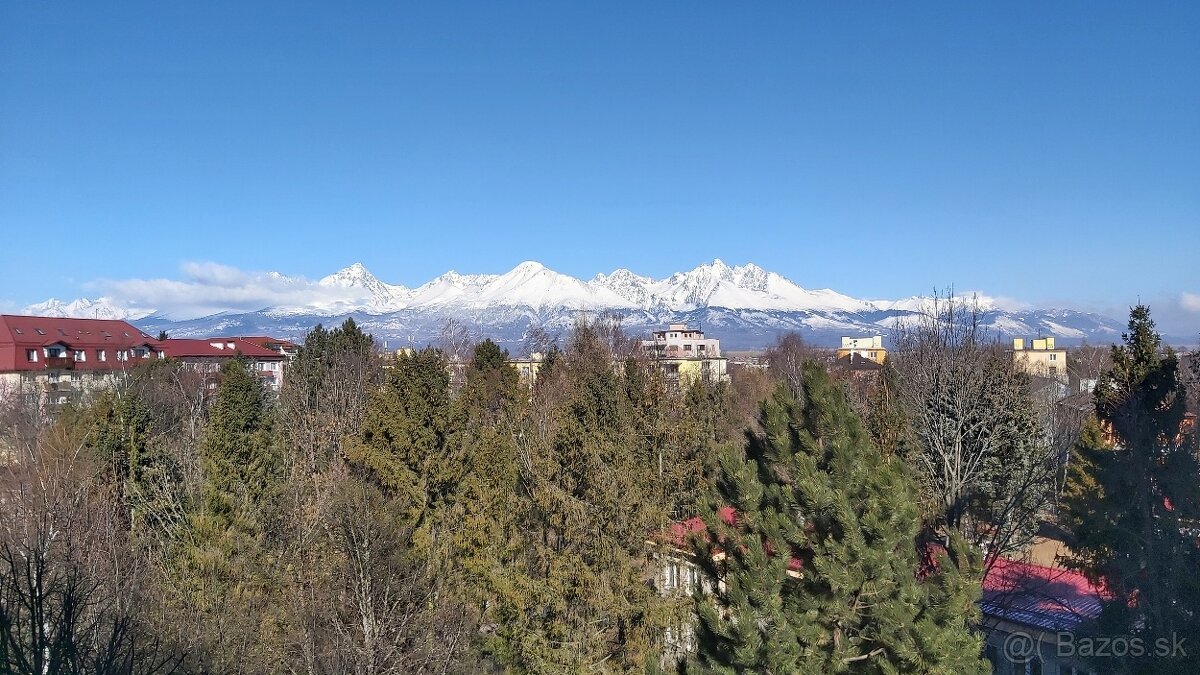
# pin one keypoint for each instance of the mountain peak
(529, 267)
(347, 275)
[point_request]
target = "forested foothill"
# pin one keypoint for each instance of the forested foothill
(429, 512)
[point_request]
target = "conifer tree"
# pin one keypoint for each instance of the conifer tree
(1132, 501)
(326, 390)
(237, 455)
(485, 420)
(219, 568)
(403, 440)
(575, 599)
(815, 567)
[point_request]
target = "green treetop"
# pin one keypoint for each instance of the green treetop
(815, 569)
(1132, 501)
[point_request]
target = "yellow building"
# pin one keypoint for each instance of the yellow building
(1040, 357)
(864, 348)
(527, 367)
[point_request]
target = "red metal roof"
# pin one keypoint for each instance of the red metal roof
(185, 348)
(18, 334)
(264, 340)
(1042, 597)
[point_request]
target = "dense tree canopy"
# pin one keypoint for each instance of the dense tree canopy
(817, 570)
(1133, 499)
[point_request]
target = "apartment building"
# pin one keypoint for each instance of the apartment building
(207, 355)
(54, 361)
(685, 354)
(1041, 358)
(50, 361)
(855, 348)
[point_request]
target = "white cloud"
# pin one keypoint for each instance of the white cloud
(1190, 302)
(208, 288)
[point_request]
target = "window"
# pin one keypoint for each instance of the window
(1054, 357)
(18, 331)
(80, 355)
(39, 331)
(101, 355)
(1053, 370)
(32, 355)
(701, 347)
(54, 352)
(122, 355)
(672, 576)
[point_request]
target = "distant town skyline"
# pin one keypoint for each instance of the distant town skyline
(1046, 154)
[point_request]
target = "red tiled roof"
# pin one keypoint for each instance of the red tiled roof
(185, 348)
(1042, 597)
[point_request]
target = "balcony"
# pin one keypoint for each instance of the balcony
(60, 363)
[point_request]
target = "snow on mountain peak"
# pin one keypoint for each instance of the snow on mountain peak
(354, 275)
(83, 308)
(717, 287)
(374, 295)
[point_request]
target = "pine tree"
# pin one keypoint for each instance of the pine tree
(220, 567)
(818, 570)
(1132, 501)
(325, 392)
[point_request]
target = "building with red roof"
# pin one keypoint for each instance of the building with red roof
(1032, 615)
(54, 360)
(278, 345)
(209, 354)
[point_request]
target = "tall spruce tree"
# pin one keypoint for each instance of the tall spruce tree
(815, 569)
(237, 454)
(220, 567)
(403, 442)
(574, 598)
(1132, 501)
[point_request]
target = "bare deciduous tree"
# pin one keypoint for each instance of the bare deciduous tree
(983, 459)
(69, 586)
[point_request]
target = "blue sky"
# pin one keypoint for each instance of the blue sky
(1048, 152)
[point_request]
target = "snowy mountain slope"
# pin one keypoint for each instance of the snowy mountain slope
(745, 306)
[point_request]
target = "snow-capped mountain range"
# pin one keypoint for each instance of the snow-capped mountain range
(745, 306)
